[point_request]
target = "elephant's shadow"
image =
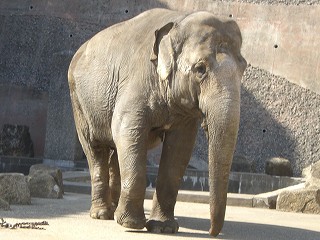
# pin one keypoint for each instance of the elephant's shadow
(243, 230)
(199, 229)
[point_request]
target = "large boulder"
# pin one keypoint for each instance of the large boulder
(303, 200)
(43, 185)
(15, 140)
(55, 172)
(306, 200)
(4, 205)
(14, 188)
(269, 199)
(312, 175)
(45, 181)
(279, 167)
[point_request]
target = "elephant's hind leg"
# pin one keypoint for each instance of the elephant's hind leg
(98, 155)
(98, 158)
(114, 179)
(101, 205)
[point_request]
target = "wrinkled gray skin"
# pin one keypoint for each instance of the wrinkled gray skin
(149, 79)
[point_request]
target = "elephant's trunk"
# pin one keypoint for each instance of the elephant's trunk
(222, 123)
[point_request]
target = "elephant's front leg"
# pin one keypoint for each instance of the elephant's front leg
(130, 138)
(176, 153)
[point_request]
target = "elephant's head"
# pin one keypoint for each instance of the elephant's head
(198, 58)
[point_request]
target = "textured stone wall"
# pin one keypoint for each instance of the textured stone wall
(25, 106)
(278, 117)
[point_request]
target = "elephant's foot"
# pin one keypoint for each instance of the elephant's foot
(103, 213)
(126, 220)
(167, 226)
(129, 215)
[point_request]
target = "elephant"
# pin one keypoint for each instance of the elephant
(154, 79)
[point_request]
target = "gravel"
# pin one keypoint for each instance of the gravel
(277, 2)
(278, 119)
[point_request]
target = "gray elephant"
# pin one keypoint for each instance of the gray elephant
(152, 79)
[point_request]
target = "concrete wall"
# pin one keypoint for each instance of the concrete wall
(24, 106)
(280, 113)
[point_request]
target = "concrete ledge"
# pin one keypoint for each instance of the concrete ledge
(75, 182)
(234, 199)
(184, 196)
(240, 200)
(77, 187)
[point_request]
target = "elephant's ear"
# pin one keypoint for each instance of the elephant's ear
(163, 54)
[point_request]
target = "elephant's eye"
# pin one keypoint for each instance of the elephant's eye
(200, 69)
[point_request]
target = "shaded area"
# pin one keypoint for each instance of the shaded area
(261, 136)
(37, 42)
(67, 214)
(17, 164)
(50, 208)
(278, 119)
(278, 2)
(15, 140)
(246, 230)
(39, 38)
(21, 105)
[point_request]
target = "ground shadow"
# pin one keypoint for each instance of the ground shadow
(42, 208)
(74, 205)
(261, 136)
(246, 231)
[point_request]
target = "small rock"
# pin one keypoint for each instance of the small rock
(4, 205)
(269, 199)
(55, 172)
(279, 167)
(265, 200)
(303, 200)
(43, 185)
(14, 188)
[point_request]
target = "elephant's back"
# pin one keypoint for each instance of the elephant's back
(109, 59)
(102, 67)
(111, 55)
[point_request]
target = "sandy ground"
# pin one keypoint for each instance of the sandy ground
(69, 219)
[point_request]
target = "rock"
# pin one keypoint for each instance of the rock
(265, 200)
(279, 167)
(303, 200)
(4, 205)
(269, 199)
(14, 188)
(15, 140)
(55, 172)
(43, 185)
(312, 175)
(242, 164)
